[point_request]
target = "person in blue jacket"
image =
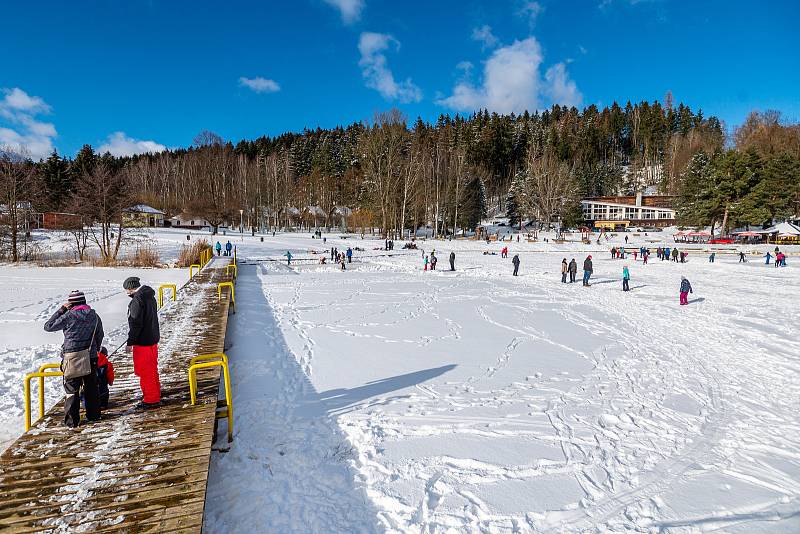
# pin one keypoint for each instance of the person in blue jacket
(626, 277)
(219, 248)
(228, 248)
(686, 288)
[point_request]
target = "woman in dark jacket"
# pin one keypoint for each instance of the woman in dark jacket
(82, 329)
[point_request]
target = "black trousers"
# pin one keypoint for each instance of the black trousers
(452, 265)
(563, 278)
(72, 403)
(625, 286)
(516, 269)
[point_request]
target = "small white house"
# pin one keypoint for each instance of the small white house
(191, 222)
(144, 215)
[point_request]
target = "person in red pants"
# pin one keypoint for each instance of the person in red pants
(143, 338)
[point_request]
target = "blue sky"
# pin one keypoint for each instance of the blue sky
(137, 75)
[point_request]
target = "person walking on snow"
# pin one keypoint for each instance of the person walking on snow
(768, 256)
(564, 271)
(349, 255)
(143, 338)
(228, 248)
(573, 270)
(425, 264)
(626, 240)
(452, 261)
(626, 277)
(342, 260)
(645, 256)
(711, 257)
(83, 336)
(587, 270)
(742, 259)
(434, 259)
(686, 288)
(515, 261)
(288, 257)
(675, 255)
(219, 248)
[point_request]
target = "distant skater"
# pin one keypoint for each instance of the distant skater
(711, 257)
(573, 270)
(515, 261)
(587, 270)
(742, 259)
(686, 288)
(626, 277)
(288, 257)
(564, 270)
(452, 261)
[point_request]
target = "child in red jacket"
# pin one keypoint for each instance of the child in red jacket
(105, 375)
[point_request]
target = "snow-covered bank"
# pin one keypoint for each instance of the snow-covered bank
(475, 401)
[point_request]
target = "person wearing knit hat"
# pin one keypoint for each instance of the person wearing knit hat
(83, 332)
(76, 298)
(131, 283)
(143, 338)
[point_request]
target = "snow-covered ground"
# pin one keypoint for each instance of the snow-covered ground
(384, 398)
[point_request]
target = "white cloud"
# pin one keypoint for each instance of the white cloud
(376, 72)
(512, 83)
(560, 88)
(260, 85)
(485, 36)
(23, 132)
(350, 10)
(119, 144)
(531, 10)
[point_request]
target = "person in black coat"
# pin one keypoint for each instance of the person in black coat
(573, 270)
(452, 261)
(82, 328)
(143, 338)
(515, 261)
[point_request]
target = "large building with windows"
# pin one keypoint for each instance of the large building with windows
(620, 212)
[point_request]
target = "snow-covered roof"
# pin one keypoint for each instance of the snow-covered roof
(144, 208)
(784, 228)
(316, 211)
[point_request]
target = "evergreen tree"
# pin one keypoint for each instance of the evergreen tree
(472, 207)
(56, 181)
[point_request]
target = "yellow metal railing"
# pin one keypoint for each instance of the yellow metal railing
(191, 270)
(235, 270)
(41, 374)
(233, 295)
(161, 289)
(206, 361)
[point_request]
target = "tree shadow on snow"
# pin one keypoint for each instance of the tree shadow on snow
(336, 401)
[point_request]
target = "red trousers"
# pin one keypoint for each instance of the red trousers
(684, 298)
(145, 366)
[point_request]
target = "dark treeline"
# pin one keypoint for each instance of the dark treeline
(394, 175)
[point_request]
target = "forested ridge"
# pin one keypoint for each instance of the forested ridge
(397, 174)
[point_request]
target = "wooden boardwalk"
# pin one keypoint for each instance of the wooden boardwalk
(133, 471)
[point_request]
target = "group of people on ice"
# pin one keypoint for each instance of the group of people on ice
(88, 372)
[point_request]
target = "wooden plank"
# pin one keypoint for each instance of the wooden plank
(142, 471)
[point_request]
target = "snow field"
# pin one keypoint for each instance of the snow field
(478, 402)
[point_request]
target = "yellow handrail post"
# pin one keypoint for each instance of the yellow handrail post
(206, 361)
(191, 270)
(41, 375)
(219, 292)
(235, 270)
(42, 369)
(161, 289)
